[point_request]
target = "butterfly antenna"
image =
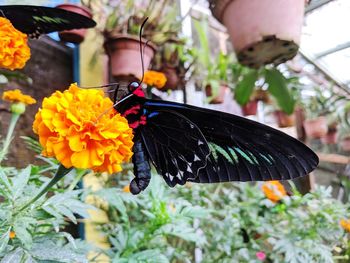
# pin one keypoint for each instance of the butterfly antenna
(111, 108)
(101, 86)
(3, 14)
(142, 49)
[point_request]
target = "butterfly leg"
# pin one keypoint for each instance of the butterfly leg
(142, 170)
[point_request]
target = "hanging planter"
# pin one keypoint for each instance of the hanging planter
(316, 128)
(250, 108)
(124, 55)
(283, 119)
(261, 31)
(75, 36)
(216, 99)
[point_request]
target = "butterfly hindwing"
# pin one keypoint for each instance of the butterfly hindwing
(241, 149)
(37, 20)
(176, 146)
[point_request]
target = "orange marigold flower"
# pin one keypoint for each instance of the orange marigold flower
(154, 78)
(12, 234)
(14, 49)
(345, 224)
(16, 96)
(274, 190)
(81, 129)
(126, 189)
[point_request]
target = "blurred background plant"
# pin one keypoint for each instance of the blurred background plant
(126, 17)
(156, 226)
(222, 223)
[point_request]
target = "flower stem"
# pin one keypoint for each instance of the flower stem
(80, 174)
(7, 142)
(60, 173)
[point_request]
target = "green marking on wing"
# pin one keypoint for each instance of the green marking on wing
(244, 155)
(51, 20)
(271, 158)
(265, 158)
(234, 155)
(215, 149)
(253, 157)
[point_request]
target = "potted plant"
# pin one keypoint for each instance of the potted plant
(214, 73)
(175, 59)
(120, 26)
(283, 119)
(332, 133)
(318, 107)
(75, 35)
(344, 133)
(253, 85)
(262, 31)
(250, 108)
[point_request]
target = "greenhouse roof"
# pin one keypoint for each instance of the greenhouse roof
(326, 38)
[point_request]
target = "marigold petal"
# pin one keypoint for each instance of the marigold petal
(14, 49)
(79, 128)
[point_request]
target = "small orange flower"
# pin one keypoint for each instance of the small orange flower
(274, 190)
(12, 234)
(154, 78)
(126, 189)
(345, 224)
(81, 129)
(16, 96)
(14, 49)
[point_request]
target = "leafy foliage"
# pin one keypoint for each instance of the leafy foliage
(34, 233)
(227, 222)
(152, 227)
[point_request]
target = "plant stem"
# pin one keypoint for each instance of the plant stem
(60, 173)
(80, 174)
(8, 139)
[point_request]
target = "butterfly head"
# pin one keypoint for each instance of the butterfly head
(136, 89)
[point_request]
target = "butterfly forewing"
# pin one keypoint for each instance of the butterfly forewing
(240, 149)
(36, 20)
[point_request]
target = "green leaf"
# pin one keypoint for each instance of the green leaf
(8, 191)
(245, 87)
(20, 227)
(201, 28)
(279, 90)
(14, 256)
(20, 181)
(4, 239)
(148, 256)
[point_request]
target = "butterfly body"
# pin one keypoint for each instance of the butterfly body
(37, 20)
(188, 143)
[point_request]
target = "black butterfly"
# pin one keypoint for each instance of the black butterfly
(37, 20)
(187, 143)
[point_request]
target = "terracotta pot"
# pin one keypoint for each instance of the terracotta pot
(171, 76)
(262, 95)
(76, 35)
(250, 108)
(345, 144)
(124, 55)
(221, 94)
(283, 119)
(330, 137)
(316, 128)
(262, 31)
